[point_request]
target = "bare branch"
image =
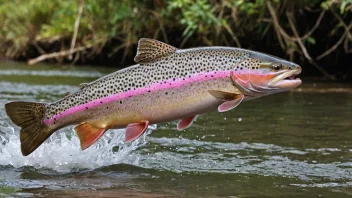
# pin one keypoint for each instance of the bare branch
(40, 50)
(304, 49)
(297, 38)
(316, 25)
(75, 32)
(334, 47)
(162, 29)
(184, 41)
(57, 54)
(346, 36)
(284, 33)
(234, 37)
(345, 46)
(340, 19)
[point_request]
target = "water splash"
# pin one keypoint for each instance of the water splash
(62, 153)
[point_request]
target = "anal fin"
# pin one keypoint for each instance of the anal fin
(88, 134)
(135, 130)
(186, 122)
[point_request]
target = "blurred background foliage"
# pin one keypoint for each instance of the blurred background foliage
(314, 33)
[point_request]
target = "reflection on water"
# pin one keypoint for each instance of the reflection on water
(285, 145)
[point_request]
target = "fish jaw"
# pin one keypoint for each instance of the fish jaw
(288, 84)
(286, 80)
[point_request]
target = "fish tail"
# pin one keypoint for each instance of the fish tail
(29, 116)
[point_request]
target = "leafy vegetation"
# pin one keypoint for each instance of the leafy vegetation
(90, 31)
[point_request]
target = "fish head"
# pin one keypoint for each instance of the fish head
(261, 74)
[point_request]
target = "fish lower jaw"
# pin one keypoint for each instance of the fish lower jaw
(288, 84)
(286, 80)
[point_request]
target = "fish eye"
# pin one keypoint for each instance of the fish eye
(276, 66)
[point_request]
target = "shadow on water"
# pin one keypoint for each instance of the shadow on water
(295, 144)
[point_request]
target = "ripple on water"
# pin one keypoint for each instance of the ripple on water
(69, 73)
(257, 158)
(14, 89)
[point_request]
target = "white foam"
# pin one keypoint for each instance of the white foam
(62, 153)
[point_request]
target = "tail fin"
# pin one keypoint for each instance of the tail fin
(29, 116)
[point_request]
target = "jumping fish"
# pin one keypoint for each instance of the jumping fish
(166, 84)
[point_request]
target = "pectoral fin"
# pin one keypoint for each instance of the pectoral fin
(186, 122)
(229, 105)
(222, 95)
(88, 134)
(231, 99)
(134, 130)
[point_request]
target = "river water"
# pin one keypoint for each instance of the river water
(293, 144)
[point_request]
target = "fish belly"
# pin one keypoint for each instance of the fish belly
(160, 106)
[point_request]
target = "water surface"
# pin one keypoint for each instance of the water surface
(294, 144)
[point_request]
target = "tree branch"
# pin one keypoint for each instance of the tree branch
(234, 37)
(57, 54)
(75, 32)
(304, 49)
(297, 38)
(327, 52)
(284, 33)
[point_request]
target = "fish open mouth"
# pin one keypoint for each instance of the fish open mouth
(286, 80)
(292, 77)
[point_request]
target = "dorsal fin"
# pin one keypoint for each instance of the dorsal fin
(149, 50)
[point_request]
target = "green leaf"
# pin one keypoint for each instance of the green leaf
(311, 40)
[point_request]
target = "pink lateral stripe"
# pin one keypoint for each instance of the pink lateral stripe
(163, 85)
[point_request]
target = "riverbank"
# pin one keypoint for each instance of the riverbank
(314, 34)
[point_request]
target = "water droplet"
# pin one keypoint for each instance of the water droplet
(239, 119)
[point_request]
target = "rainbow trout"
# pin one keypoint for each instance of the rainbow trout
(166, 84)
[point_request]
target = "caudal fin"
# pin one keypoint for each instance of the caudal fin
(29, 116)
